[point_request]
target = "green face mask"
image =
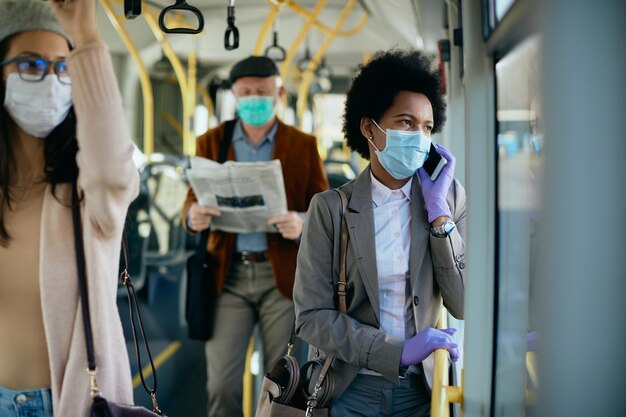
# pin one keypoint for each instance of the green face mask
(255, 110)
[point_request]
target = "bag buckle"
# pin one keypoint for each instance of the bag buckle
(93, 383)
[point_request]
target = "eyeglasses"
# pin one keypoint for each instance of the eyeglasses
(34, 69)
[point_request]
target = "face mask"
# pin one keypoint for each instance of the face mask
(255, 110)
(405, 152)
(37, 107)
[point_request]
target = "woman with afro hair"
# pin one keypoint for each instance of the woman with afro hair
(406, 250)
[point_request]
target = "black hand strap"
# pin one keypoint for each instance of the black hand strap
(132, 302)
(341, 292)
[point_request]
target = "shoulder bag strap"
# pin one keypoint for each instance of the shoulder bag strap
(133, 307)
(132, 301)
(82, 285)
(341, 292)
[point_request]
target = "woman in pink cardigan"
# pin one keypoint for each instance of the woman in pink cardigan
(55, 102)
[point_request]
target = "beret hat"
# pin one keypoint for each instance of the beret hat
(253, 66)
(23, 15)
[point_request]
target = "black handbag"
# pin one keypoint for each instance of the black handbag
(290, 391)
(100, 406)
(201, 286)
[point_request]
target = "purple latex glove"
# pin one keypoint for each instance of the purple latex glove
(435, 192)
(417, 348)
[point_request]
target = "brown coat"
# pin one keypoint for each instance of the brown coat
(304, 177)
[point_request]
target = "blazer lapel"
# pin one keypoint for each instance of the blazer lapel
(280, 145)
(420, 233)
(360, 219)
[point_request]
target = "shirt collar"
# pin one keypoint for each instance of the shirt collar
(381, 194)
(239, 135)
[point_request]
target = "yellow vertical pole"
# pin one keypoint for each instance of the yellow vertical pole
(144, 78)
(189, 136)
(305, 84)
(248, 382)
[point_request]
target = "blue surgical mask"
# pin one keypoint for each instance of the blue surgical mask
(255, 110)
(404, 153)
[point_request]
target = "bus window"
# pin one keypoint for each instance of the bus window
(519, 178)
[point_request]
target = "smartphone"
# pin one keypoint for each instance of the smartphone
(434, 163)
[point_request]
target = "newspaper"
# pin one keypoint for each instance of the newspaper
(246, 193)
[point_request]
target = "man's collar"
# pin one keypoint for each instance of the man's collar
(239, 134)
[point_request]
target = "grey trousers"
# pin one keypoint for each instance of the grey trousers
(249, 297)
(374, 396)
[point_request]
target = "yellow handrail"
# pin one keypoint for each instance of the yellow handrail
(265, 29)
(144, 78)
(248, 382)
(184, 80)
(442, 393)
(300, 37)
(173, 122)
(303, 91)
(531, 366)
(309, 15)
(206, 100)
(189, 141)
(325, 29)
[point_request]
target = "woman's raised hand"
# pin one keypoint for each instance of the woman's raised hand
(78, 18)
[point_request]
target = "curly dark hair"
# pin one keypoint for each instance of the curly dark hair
(376, 85)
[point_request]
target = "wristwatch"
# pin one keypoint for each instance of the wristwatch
(443, 230)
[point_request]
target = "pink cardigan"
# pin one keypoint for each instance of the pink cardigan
(110, 182)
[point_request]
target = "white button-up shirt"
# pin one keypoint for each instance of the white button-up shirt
(392, 230)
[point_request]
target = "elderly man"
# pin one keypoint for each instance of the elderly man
(254, 272)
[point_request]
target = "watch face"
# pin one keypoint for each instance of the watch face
(448, 226)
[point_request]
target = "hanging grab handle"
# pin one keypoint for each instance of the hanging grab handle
(281, 53)
(178, 6)
(231, 29)
(132, 8)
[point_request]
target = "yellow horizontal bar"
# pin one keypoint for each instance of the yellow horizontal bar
(158, 361)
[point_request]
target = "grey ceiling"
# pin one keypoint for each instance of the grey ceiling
(415, 23)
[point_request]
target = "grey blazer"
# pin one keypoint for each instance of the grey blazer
(436, 270)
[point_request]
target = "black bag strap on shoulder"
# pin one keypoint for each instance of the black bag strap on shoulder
(229, 128)
(132, 301)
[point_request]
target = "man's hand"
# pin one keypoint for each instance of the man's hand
(289, 225)
(200, 217)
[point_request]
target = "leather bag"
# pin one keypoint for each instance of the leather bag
(201, 286)
(100, 406)
(292, 391)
